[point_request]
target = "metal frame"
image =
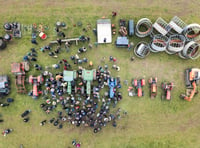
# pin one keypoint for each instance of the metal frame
(161, 26)
(176, 44)
(177, 24)
(190, 51)
(159, 43)
(142, 49)
(192, 32)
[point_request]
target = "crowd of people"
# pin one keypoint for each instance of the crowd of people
(79, 108)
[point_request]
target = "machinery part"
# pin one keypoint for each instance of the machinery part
(190, 51)
(142, 50)
(177, 24)
(159, 43)
(176, 43)
(7, 26)
(192, 77)
(7, 37)
(143, 24)
(192, 32)
(191, 94)
(187, 77)
(161, 26)
(2, 43)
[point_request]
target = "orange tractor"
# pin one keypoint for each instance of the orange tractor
(167, 87)
(153, 87)
(192, 76)
(138, 84)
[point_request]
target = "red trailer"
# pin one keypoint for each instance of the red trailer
(19, 69)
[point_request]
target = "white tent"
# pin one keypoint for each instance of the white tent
(104, 34)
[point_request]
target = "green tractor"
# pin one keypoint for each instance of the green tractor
(69, 76)
(88, 76)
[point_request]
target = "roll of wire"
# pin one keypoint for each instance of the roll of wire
(190, 51)
(192, 32)
(143, 28)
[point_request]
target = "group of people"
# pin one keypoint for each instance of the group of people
(30, 56)
(77, 59)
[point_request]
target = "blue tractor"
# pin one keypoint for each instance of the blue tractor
(112, 83)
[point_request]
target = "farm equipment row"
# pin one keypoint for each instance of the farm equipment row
(139, 83)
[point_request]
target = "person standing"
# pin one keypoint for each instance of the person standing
(33, 41)
(67, 46)
(59, 41)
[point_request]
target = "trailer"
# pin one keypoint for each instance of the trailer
(19, 69)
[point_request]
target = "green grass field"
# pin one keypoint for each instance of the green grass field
(149, 123)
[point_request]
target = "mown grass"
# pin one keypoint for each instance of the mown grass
(149, 123)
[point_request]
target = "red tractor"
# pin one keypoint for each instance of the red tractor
(167, 87)
(138, 84)
(153, 87)
(36, 81)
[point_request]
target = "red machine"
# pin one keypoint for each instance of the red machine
(167, 87)
(18, 69)
(138, 84)
(153, 87)
(36, 81)
(192, 76)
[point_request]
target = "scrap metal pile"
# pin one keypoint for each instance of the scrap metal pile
(175, 37)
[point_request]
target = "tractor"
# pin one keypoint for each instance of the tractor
(153, 87)
(36, 81)
(69, 77)
(88, 76)
(4, 85)
(192, 76)
(112, 83)
(138, 84)
(167, 88)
